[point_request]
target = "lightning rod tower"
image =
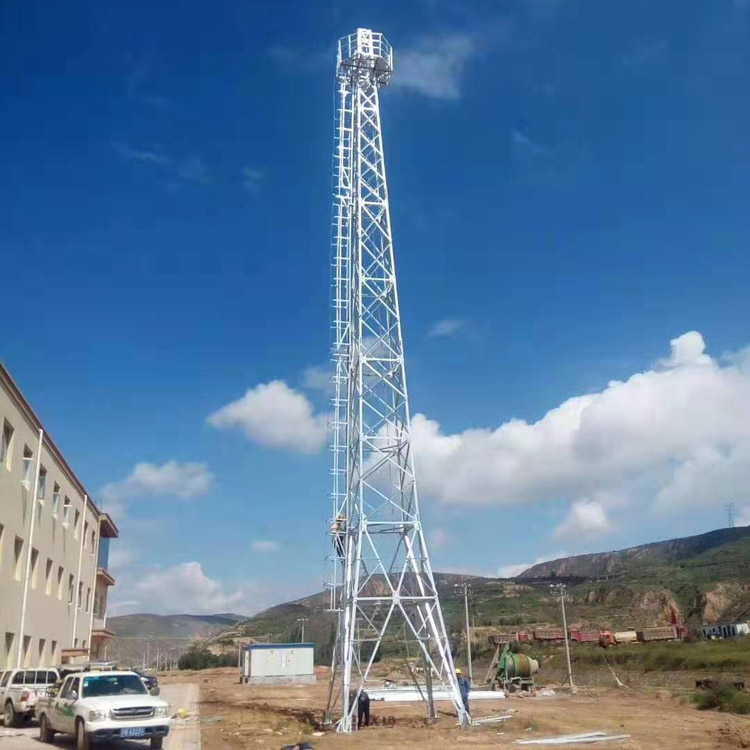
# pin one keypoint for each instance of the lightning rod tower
(379, 574)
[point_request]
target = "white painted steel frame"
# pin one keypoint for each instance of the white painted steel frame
(380, 575)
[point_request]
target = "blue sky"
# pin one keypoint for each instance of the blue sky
(569, 183)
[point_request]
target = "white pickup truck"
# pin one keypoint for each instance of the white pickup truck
(19, 690)
(103, 706)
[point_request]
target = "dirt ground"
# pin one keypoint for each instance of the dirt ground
(242, 717)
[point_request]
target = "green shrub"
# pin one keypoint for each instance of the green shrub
(723, 697)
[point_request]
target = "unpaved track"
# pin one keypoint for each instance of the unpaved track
(267, 717)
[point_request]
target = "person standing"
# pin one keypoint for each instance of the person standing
(363, 709)
(464, 687)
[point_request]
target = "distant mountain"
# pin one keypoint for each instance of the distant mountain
(139, 634)
(727, 547)
(703, 578)
(696, 579)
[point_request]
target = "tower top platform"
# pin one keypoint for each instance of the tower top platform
(364, 57)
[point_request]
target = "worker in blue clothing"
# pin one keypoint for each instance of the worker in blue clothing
(464, 686)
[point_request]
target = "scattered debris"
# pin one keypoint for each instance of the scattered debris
(490, 720)
(10, 733)
(570, 739)
(546, 693)
(299, 746)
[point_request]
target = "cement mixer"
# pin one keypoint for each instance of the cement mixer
(509, 671)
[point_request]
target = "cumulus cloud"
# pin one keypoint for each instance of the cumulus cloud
(318, 378)
(434, 66)
(655, 437)
(275, 415)
(170, 479)
(265, 545)
(183, 588)
(446, 327)
(586, 519)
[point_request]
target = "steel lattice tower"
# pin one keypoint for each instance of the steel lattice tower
(380, 577)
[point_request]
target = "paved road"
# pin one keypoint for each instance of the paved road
(183, 735)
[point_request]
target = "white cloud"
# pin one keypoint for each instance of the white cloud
(654, 437)
(586, 519)
(183, 588)
(120, 557)
(275, 415)
(743, 517)
(688, 349)
(317, 378)
(434, 66)
(446, 327)
(265, 545)
(170, 479)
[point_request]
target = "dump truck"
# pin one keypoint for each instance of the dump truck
(665, 633)
(549, 634)
(584, 636)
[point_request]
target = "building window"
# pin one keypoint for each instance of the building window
(71, 589)
(8, 659)
(26, 650)
(60, 579)
(34, 567)
(88, 599)
(66, 511)
(28, 465)
(42, 646)
(48, 577)
(41, 489)
(18, 558)
(80, 594)
(6, 444)
(53, 652)
(76, 524)
(2, 537)
(55, 499)
(93, 541)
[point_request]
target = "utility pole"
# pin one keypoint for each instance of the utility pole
(561, 588)
(302, 620)
(729, 508)
(466, 588)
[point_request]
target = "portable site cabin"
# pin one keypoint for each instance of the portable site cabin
(724, 630)
(264, 663)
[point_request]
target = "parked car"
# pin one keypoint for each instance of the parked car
(20, 690)
(104, 706)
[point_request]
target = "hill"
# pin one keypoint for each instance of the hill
(703, 578)
(715, 548)
(141, 633)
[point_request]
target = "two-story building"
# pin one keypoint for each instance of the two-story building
(54, 547)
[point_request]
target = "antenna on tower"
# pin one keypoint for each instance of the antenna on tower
(729, 508)
(379, 574)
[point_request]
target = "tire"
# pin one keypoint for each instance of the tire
(156, 743)
(45, 733)
(82, 738)
(9, 715)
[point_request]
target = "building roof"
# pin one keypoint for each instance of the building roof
(257, 646)
(7, 379)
